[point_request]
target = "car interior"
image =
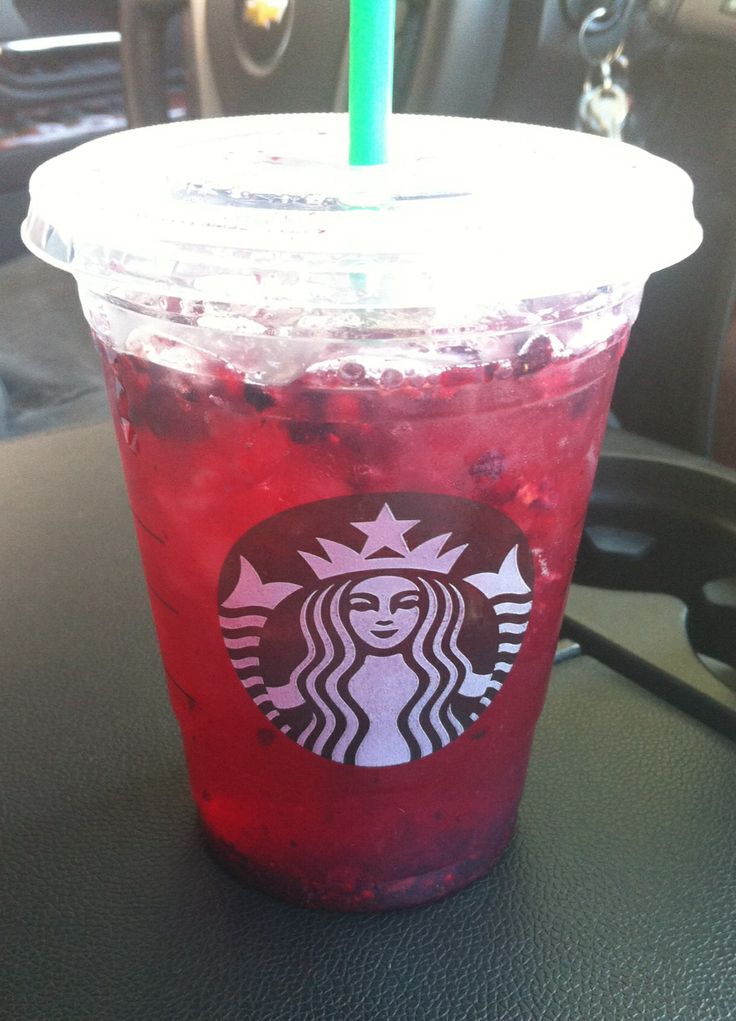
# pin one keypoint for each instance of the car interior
(654, 593)
(71, 72)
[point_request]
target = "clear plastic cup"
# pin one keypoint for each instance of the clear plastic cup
(359, 412)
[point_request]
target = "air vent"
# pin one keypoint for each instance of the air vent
(59, 70)
(40, 61)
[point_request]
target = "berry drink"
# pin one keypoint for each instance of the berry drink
(359, 442)
(357, 577)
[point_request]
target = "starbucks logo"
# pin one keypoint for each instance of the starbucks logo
(374, 630)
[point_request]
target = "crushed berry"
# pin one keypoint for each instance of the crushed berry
(500, 495)
(316, 403)
(352, 372)
(460, 375)
(535, 355)
(391, 378)
(169, 415)
(265, 737)
(257, 397)
(490, 465)
(580, 402)
(308, 432)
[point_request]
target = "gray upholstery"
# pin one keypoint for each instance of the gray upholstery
(49, 370)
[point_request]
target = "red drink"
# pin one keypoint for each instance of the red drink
(222, 472)
(359, 445)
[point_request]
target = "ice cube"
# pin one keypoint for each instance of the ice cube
(233, 324)
(327, 324)
(152, 345)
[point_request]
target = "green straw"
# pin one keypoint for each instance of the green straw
(372, 28)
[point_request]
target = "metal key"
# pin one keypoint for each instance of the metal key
(603, 109)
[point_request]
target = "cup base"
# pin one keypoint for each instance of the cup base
(367, 896)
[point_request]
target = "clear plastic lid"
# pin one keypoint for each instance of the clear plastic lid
(265, 211)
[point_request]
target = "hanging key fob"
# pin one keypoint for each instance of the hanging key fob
(603, 109)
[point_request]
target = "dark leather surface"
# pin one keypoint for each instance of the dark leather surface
(615, 900)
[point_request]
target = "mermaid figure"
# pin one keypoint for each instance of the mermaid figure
(382, 678)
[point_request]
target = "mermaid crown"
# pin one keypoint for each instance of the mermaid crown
(385, 533)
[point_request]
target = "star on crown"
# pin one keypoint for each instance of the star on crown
(386, 533)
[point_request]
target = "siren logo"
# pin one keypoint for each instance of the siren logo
(374, 630)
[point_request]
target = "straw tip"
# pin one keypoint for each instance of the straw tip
(371, 73)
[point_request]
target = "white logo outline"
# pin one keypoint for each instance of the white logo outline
(363, 582)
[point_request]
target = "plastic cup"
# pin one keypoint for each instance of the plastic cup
(359, 412)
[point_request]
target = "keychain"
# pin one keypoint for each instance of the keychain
(604, 106)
